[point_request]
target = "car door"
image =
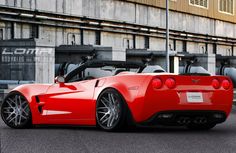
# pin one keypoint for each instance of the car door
(70, 103)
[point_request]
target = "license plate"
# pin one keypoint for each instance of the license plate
(194, 97)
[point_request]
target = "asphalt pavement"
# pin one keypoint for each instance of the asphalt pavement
(222, 139)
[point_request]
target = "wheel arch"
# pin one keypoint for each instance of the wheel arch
(17, 92)
(129, 120)
(29, 92)
(21, 94)
(126, 99)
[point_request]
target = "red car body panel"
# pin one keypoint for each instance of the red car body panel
(75, 103)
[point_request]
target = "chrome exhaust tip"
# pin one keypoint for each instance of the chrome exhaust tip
(184, 120)
(200, 120)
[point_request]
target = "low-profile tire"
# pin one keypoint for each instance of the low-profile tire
(15, 111)
(111, 110)
(207, 126)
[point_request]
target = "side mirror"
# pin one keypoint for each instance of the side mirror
(60, 80)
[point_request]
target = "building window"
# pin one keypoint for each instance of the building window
(215, 48)
(98, 37)
(34, 31)
(199, 3)
(184, 46)
(146, 42)
(1, 34)
(226, 6)
(12, 30)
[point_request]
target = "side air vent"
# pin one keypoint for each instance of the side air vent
(37, 99)
(40, 109)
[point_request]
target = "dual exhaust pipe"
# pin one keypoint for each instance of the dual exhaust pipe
(188, 120)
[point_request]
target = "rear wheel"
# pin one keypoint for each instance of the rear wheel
(15, 111)
(206, 126)
(110, 110)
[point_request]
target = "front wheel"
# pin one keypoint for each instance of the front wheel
(15, 111)
(110, 110)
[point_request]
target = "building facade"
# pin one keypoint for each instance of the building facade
(196, 26)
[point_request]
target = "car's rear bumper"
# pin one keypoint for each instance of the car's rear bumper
(145, 108)
(185, 117)
(152, 109)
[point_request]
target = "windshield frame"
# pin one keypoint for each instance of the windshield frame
(100, 64)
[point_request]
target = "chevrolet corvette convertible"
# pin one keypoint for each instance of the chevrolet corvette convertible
(111, 95)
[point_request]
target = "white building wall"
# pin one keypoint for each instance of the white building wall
(154, 17)
(210, 48)
(224, 50)
(46, 5)
(89, 37)
(225, 29)
(45, 65)
(117, 10)
(18, 32)
(73, 7)
(7, 31)
(72, 36)
(141, 16)
(26, 4)
(2, 2)
(122, 11)
(59, 37)
(140, 41)
(60, 6)
(129, 12)
(118, 43)
(47, 36)
(10, 3)
(157, 44)
(26, 31)
(179, 46)
(91, 8)
(22, 31)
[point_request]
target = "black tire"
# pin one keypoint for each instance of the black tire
(201, 127)
(106, 112)
(15, 111)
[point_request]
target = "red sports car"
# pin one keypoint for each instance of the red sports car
(111, 94)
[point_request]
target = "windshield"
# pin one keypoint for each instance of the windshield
(94, 73)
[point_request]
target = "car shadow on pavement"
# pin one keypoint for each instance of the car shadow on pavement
(220, 129)
(133, 130)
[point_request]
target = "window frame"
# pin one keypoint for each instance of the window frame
(200, 5)
(228, 13)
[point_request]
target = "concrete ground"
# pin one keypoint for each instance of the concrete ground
(91, 140)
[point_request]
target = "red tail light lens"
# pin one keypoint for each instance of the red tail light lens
(157, 83)
(216, 83)
(170, 83)
(226, 84)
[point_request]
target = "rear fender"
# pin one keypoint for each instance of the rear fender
(133, 93)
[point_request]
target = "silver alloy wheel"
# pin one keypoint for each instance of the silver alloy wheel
(15, 111)
(108, 110)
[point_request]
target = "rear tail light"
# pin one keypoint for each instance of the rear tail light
(226, 84)
(216, 83)
(170, 83)
(157, 83)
